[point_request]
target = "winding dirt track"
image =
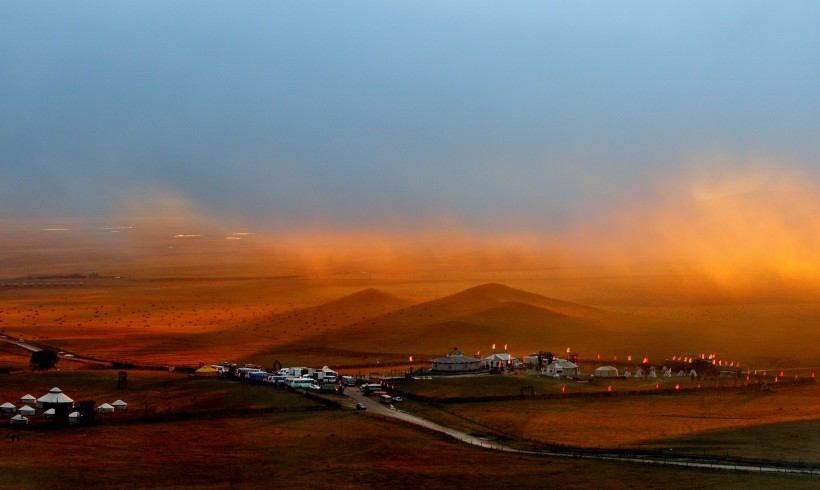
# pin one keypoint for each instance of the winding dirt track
(373, 406)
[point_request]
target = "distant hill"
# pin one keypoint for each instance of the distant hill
(473, 320)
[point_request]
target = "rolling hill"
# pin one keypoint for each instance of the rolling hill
(472, 320)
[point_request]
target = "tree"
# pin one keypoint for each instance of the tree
(43, 360)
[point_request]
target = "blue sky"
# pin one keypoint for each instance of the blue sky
(378, 115)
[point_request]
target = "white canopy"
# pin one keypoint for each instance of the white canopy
(119, 405)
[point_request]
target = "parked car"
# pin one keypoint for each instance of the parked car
(396, 399)
(361, 406)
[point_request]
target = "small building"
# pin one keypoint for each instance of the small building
(8, 407)
(105, 408)
(120, 405)
(26, 411)
(561, 368)
(27, 400)
(74, 417)
(606, 372)
(18, 420)
(456, 363)
(49, 414)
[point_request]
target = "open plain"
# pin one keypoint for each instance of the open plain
(213, 433)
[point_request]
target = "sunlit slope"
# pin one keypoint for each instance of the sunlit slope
(477, 318)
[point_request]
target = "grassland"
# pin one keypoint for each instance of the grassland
(327, 449)
(220, 434)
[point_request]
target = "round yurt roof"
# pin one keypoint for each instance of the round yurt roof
(50, 411)
(25, 409)
(119, 403)
(74, 415)
(105, 407)
(27, 399)
(54, 395)
(18, 418)
(8, 405)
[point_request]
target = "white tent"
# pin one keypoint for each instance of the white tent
(500, 360)
(667, 373)
(18, 420)
(7, 408)
(27, 400)
(49, 414)
(693, 373)
(561, 367)
(26, 410)
(652, 374)
(105, 408)
(606, 372)
(74, 417)
(119, 405)
(54, 396)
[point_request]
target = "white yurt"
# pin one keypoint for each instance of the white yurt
(74, 417)
(606, 372)
(26, 410)
(693, 373)
(652, 374)
(18, 420)
(27, 400)
(561, 367)
(54, 396)
(49, 414)
(105, 408)
(666, 373)
(119, 405)
(8, 408)
(455, 363)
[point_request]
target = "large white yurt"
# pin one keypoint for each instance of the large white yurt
(456, 363)
(54, 397)
(105, 408)
(26, 411)
(606, 372)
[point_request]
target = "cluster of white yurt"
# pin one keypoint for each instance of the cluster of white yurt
(117, 406)
(50, 401)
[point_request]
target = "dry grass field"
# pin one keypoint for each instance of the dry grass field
(313, 450)
(781, 424)
(354, 319)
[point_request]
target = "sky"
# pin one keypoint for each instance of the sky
(640, 124)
